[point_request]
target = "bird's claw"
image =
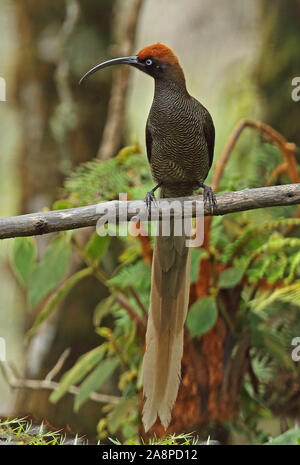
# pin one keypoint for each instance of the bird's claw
(150, 197)
(209, 196)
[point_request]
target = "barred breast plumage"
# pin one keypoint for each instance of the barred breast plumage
(177, 125)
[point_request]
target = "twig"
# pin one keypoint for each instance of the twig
(268, 133)
(282, 168)
(113, 130)
(74, 218)
(132, 314)
(59, 364)
(37, 384)
(139, 302)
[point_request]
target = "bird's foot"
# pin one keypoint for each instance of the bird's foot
(210, 198)
(150, 197)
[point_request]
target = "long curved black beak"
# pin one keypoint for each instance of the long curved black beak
(133, 61)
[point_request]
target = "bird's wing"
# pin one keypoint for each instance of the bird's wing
(148, 141)
(209, 132)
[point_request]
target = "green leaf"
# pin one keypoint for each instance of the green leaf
(121, 411)
(230, 277)
(56, 298)
(50, 270)
(97, 246)
(290, 437)
(274, 348)
(131, 254)
(95, 380)
(102, 309)
(24, 255)
(202, 316)
(62, 204)
(137, 275)
(83, 366)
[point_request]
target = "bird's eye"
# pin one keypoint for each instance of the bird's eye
(148, 62)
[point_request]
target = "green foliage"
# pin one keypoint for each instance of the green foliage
(94, 181)
(253, 255)
(97, 246)
(202, 316)
(19, 431)
(103, 308)
(83, 366)
(289, 294)
(40, 277)
(184, 439)
(56, 297)
(118, 417)
(24, 256)
(95, 380)
(289, 438)
(230, 277)
(50, 270)
(136, 274)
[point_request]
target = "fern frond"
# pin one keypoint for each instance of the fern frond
(257, 232)
(295, 262)
(98, 180)
(289, 294)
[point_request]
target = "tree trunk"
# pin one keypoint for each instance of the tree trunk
(57, 45)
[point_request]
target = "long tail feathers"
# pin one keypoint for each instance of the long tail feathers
(164, 337)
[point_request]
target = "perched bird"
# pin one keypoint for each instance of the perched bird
(180, 145)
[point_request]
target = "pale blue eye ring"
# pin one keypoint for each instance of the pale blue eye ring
(148, 62)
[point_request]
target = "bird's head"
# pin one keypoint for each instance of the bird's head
(158, 60)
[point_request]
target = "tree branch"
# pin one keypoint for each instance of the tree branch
(113, 130)
(272, 136)
(74, 218)
(59, 364)
(48, 384)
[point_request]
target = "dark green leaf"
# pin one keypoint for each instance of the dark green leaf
(137, 275)
(121, 411)
(230, 277)
(24, 255)
(102, 309)
(95, 380)
(50, 270)
(290, 437)
(202, 316)
(84, 364)
(97, 246)
(57, 297)
(273, 346)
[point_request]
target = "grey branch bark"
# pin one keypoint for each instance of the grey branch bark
(74, 218)
(37, 384)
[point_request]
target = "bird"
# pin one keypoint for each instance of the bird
(180, 137)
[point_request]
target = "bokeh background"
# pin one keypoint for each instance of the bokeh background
(239, 59)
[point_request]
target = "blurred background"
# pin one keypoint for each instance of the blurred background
(60, 147)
